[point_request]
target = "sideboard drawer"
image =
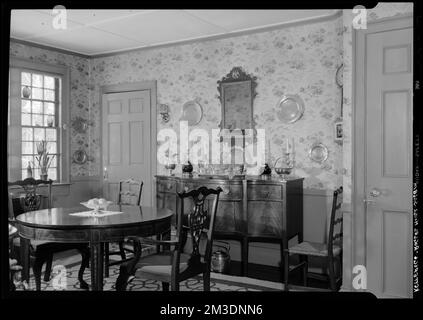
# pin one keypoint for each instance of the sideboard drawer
(233, 192)
(264, 192)
(166, 186)
(187, 186)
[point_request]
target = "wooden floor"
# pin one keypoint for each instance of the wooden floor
(270, 273)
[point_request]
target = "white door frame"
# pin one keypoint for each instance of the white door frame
(359, 227)
(127, 87)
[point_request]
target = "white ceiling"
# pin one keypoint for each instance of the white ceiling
(93, 32)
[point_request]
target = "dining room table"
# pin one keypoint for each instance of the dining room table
(79, 225)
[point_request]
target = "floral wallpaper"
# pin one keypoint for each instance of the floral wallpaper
(79, 94)
(299, 60)
(382, 10)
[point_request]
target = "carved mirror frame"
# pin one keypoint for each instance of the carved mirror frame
(237, 74)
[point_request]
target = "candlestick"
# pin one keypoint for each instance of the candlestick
(287, 145)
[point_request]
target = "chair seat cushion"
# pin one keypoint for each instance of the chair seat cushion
(313, 249)
(159, 266)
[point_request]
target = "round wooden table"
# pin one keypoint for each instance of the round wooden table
(57, 225)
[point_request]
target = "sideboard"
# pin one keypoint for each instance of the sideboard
(251, 209)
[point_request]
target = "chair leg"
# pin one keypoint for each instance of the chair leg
(49, 265)
(85, 253)
(286, 267)
(332, 282)
(174, 285)
(305, 270)
(122, 250)
(36, 268)
(122, 280)
(206, 281)
(106, 259)
(165, 286)
(282, 261)
(244, 257)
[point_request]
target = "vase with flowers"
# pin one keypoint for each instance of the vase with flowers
(44, 159)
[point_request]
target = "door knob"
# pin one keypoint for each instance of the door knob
(375, 193)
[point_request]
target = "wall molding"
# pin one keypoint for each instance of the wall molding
(234, 34)
(46, 47)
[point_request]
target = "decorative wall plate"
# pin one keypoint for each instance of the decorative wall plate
(339, 75)
(290, 108)
(80, 124)
(318, 152)
(80, 156)
(192, 112)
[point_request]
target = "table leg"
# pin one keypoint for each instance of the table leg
(24, 248)
(96, 266)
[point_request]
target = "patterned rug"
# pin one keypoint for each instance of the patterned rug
(67, 279)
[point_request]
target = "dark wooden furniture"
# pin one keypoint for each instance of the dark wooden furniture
(129, 193)
(332, 251)
(174, 266)
(42, 251)
(13, 267)
(58, 225)
(251, 209)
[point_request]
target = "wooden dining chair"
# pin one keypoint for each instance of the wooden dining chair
(332, 251)
(130, 191)
(41, 251)
(170, 267)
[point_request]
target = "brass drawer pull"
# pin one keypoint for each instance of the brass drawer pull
(227, 191)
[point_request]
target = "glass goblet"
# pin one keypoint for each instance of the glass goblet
(170, 167)
(282, 172)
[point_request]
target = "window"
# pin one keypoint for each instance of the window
(37, 114)
(39, 101)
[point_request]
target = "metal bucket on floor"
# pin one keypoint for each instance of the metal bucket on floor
(221, 259)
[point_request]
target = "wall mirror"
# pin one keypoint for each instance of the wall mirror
(237, 91)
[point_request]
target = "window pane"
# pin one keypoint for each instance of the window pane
(51, 147)
(49, 121)
(51, 134)
(37, 80)
(26, 79)
(54, 161)
(27, 147)
(26, 119)
(24, 174)
(48, 108)
(35, 143)
(26, 160)
(26, 106)
(48, 82)
(39, 134)
(52, 173)
(37, 93)
(27, 134)
(48, 94)
(36, 174)
(37, 120)
(37, 107)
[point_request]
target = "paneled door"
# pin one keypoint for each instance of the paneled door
(127, 142)
(388, 150)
